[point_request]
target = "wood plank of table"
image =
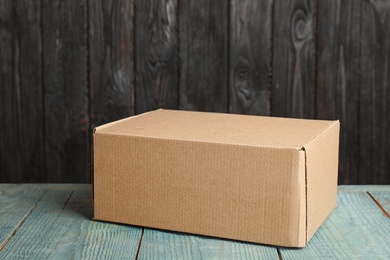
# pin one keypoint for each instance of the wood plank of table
(366, 188)
(169, 245)
(15, 206)
(357, 229)
(382, 198)
(59, 227)
(44, 187)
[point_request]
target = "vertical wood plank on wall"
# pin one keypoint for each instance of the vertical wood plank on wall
(375, 93)
(250, 56)
(66, 89)
(111, 60)
(203, 37)
(338, 65)
(22, 155)
(156, 57)
(293, 58)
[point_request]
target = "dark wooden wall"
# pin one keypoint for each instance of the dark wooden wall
(70, 65)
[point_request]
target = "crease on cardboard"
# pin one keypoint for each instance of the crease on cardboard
(114, 188)
(303, 149)
(238, 199)
(114, 193)
(204, 142)
(302, 221)
(91, 167)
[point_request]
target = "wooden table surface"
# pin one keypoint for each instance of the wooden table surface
(54, 221)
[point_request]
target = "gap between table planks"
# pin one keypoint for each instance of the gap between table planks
(54, 221)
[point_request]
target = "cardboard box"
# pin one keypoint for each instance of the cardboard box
(259, 179)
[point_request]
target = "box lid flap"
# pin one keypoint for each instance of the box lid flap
(219, 128)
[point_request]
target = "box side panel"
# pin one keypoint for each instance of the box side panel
(322, 169)
(245, 193)
(104, 177)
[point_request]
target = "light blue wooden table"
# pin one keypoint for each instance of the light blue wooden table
(54, 222)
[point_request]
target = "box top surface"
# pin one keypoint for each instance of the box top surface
(219, 128)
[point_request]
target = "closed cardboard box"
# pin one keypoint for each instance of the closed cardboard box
(259, 179)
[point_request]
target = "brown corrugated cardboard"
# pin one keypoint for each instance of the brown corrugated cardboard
(259, 179)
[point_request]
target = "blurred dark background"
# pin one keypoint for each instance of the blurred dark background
(70, 65)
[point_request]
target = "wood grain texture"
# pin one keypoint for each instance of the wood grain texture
(293, 58)
(156, 57)
(22, 145)
(107, 241)
(338, 66)
(111, 60)
(98, 240)
(66, 105)
(60, 228)
(250, 57)
(374, 127)
(357, 229)
(68, 66)
(203, 36)
(15, 206)
(167, 245)
(36, 227)
(383, 198)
